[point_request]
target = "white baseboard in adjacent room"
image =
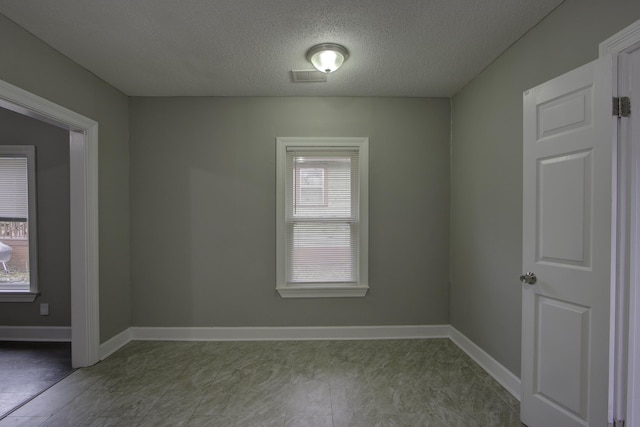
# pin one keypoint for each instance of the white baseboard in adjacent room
(501, 374)
(36, 333)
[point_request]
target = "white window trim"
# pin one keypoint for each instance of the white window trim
(287, 290)
(14, 295)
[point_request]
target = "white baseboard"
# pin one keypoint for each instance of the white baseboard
(291, 333)
(35, 333)
(501, 374)
(114, 344)
(271, 334)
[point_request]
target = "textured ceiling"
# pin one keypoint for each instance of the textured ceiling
(248, 47)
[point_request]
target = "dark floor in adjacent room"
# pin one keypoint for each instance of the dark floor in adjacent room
(29, 368)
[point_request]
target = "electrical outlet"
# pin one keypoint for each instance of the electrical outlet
(44, 309)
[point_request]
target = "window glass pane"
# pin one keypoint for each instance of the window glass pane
(14, 203)
(14, 255)
(15, 274)
(322, 252)
(322, 186)
(311, 188)
(322, 247)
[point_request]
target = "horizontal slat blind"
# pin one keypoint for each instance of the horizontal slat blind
(14, 201)
(321, 216)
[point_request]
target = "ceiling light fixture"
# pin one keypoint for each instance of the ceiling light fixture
(327, 57)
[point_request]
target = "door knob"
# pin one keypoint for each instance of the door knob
(528, 278)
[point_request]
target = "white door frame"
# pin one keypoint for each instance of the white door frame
(625, 319)
(83, 153)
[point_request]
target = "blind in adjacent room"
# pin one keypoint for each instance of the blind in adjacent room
(14, 201)
(321, 215)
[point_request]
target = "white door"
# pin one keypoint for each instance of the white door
(569, 150)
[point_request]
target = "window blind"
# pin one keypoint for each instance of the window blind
(14, 200)
(322, 215)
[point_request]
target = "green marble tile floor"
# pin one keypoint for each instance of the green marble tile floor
(286, 384)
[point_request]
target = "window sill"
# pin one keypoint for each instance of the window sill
(322, 291)
(17, 296)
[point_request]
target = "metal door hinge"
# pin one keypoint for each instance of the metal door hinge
(622, 106)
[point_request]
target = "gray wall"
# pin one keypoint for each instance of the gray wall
(202, 180)
(203, 210)
(486, 201)
(34, 66)
(52, 182)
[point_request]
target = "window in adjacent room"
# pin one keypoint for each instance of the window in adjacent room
(18, 273)
(322, 217)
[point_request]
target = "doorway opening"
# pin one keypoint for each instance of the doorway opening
(83, 153)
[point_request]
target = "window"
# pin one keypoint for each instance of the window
(322, 217)
(18, 273)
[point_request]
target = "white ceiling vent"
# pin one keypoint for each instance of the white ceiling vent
(308, 76)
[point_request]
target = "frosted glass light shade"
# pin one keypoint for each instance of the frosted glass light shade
(327, 57)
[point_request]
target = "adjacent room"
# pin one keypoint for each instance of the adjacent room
(227, 235)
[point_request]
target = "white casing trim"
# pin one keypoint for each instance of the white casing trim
(633, 355)
(501, 374)
(625, 330)
(322, 290)
(85, 331)
(621, 41)
(35, 333)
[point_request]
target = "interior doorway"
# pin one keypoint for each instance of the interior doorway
(83, 154)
